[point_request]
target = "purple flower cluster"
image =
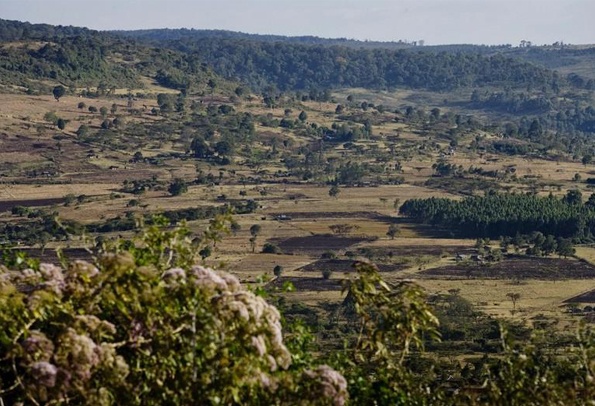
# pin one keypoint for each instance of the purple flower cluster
(329, 384)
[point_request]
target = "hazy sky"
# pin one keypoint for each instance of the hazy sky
(435, 21)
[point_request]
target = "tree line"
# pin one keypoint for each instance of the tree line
(499, 215)
(291, 66)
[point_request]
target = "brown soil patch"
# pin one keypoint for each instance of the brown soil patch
(8, 205)
(316, 244)
(309, 284)
(587, 297)
(50, 255)
(343, 266)
(415, 250)
(518, 268)
(333, 215)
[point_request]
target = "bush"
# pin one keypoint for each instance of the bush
(328, 255)
(177, 187)
(277, 270)
(141, 327)
(269, 248)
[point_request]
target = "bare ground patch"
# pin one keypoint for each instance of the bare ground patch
(51, 256)
(308, 215)
(309, 284)
(587, 297)
(518, 268)
(344, 266)
(8, 205)
(316, 244)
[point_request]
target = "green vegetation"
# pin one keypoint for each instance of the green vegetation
(146, 327)
(498, 215)
(81, 57)
(293, 66)
(319, 175)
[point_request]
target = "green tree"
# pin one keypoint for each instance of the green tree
(223, 148)
(277, 271)
(61, 123)
(58, 92)
(82, 131)
(574, 197)
(514, 298)
(235, 227)
(303, 116)
(205, 252)
(200, 148)
(565, 247)
(177, 187)
(254, 232)
(51, 117)
(270, 248)
(393, 231)
(334, 191)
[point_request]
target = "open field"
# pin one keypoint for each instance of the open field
(536, 296)
(519, 267)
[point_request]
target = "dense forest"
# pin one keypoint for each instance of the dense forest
(291, 66)
(387, 66)
(498, 215)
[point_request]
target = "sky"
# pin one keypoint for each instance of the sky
(434, 21)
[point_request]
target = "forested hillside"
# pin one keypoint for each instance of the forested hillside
(291, 66)
(184, 34)
(570, 59)
(78, 57)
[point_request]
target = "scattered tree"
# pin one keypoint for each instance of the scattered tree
(334, 191)
(177, 187)
(393, 231)
(277, 271)
(514, 298)
(343, 228)
(254, 232)
(58, 92)
(270, 248)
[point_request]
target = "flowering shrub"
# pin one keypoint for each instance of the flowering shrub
(129, 330)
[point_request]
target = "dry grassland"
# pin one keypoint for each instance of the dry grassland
(310, 207)
(537, 296)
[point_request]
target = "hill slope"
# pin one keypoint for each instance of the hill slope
(34, 55)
